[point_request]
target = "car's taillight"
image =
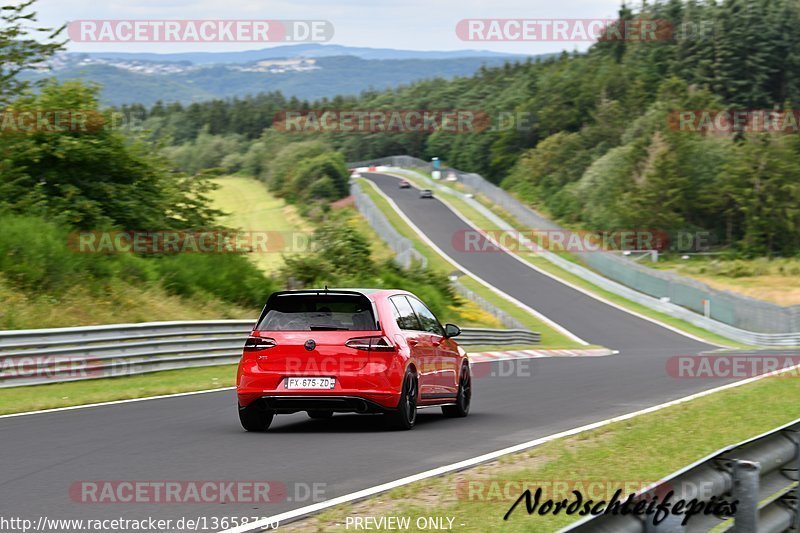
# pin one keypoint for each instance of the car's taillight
(253, 344)
(372, 344)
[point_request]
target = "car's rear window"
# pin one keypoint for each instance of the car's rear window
(323, 312)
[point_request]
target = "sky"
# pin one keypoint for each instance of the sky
(409, 24)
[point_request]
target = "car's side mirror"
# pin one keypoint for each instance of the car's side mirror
(451, 330)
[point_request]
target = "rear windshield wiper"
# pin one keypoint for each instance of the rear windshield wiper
(328, 328)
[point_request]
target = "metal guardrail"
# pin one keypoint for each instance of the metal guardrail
(38, 356)
(504, 318)
(761, 473)
(405, 253)
(483, 336)
(734, 316)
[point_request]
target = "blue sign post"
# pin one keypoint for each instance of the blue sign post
(437, 165)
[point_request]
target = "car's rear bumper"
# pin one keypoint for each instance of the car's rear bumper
(358, 401)
(339, 404)
(378, 381)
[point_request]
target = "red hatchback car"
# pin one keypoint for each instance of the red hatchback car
(350, 350)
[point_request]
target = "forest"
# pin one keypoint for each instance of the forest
(598, 147)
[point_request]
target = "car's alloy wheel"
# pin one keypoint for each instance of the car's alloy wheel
(406, 415)
(255, 417)
(461, 407)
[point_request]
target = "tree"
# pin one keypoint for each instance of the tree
(760, 194)
(92, 176)
(22, 46)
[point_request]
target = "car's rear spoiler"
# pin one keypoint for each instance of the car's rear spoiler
(319, 292)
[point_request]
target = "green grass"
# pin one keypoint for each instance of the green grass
(625, 454)
(481, 221)
(250, 207)
(551, 338)
(36, 397)
(775, 280)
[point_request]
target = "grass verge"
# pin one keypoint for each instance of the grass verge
(51, 396)
(625, 454)
(775, 280)
(250, 207)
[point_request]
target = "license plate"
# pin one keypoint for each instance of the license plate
(310, 383)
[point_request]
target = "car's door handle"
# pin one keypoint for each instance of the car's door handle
(412, 342)
(436, 342)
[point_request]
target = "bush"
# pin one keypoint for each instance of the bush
(34, 254)
(229, 277)
(40, 257)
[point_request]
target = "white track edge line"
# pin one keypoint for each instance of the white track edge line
(467, 463)
(115, 402)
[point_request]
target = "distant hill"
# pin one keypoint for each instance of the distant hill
(298, 50)
(303, 71)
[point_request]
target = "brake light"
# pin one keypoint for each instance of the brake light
(371, 344)
(254, 344)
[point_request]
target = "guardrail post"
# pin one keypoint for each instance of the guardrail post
(746, 476)
(794, 436)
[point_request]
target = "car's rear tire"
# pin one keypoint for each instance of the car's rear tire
(461, 408)
(319, 415)
(255, 417)
(405, 417)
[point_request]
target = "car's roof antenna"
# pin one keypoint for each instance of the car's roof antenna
(326, 288)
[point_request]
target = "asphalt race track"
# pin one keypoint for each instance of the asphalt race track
(198, 437)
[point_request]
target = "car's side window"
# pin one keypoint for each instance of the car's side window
(405, 316)
(426, 317)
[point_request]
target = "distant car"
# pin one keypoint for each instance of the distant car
(404, 184)
(350, 351)
(426, 193)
